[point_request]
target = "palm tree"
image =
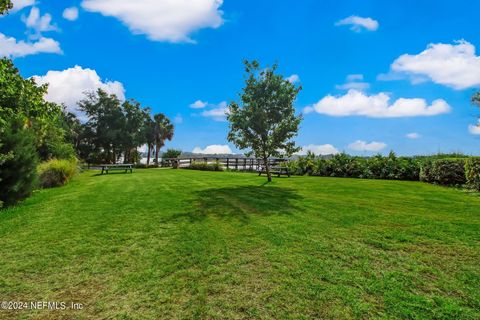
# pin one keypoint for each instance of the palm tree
(149, 128)
(163, 131)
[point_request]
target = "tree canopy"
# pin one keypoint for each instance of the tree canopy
(5, 5)
(264, 121)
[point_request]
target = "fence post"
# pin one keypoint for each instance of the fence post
(236, 163)
(228, 162)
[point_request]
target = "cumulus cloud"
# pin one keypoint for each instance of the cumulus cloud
(10, 47)
(354, 81)
(413, 135)
(38, 22)
(361, 145)
(217, 112)
(20, 4)
(474, 129)
(70, 13)
(294, 78)
(358, 24)
(323, 149)
(357, 103)
(453, 65)
(214, 149)
(178, 119)
(69, 86)
(166, 20)
(199, 104)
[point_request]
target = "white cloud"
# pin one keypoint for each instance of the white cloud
(360, 86)
(474, 129)
(165, 20)
(71, 13)
(354, 81)
(355, 77)
(178, 119)
(20, 4)
(294, 78)
(453, 65)
(69, 86)
(38, 22)
(413, 135)
(10, 47)
(218, 112)
(361, 145)
(356, 103)
(214, 149)
(358, 24)
(199, 104)
(323, 149)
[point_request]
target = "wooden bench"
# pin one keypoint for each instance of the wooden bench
(109, 167)
(275, 171)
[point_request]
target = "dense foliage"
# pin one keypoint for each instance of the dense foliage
(171, 154)
(447, 170)
(18, 165)
(30, 129)
(55, 173)
(343, 165)
(115, 129)
(204, 166)
(264, 122)
(5, 5)
(472, 172)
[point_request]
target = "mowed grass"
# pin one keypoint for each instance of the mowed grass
(178, 244)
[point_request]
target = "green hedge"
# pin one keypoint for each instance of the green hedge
(343, 165)
(203, 166)
(472, 173)
(446, 172)
(55, 173)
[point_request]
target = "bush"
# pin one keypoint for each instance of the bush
(445, 172)
(19, 160)
(55, 173)
(472, 173)
(203, 166)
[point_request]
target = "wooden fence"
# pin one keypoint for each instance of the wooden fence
(240, 164)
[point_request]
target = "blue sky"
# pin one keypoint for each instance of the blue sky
(376, 75)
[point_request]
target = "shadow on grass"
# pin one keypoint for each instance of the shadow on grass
(241, 203)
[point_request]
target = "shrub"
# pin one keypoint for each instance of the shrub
(19, 159)
(472, 173)
(55, 173)
(446, 172)
(203, 166)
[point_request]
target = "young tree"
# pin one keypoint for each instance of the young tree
(265, 121)
(163, 131)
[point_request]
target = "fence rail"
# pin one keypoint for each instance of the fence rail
(240, 164)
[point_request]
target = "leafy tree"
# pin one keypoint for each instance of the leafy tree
(172, 153)
(265, 121)
(163, 131)
(133, 134)
(5, 5)
(104, 129)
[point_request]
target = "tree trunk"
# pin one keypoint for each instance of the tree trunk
(156, 154)
(148, 156)
(267, 169)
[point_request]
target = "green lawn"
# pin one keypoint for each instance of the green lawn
(179, 244)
